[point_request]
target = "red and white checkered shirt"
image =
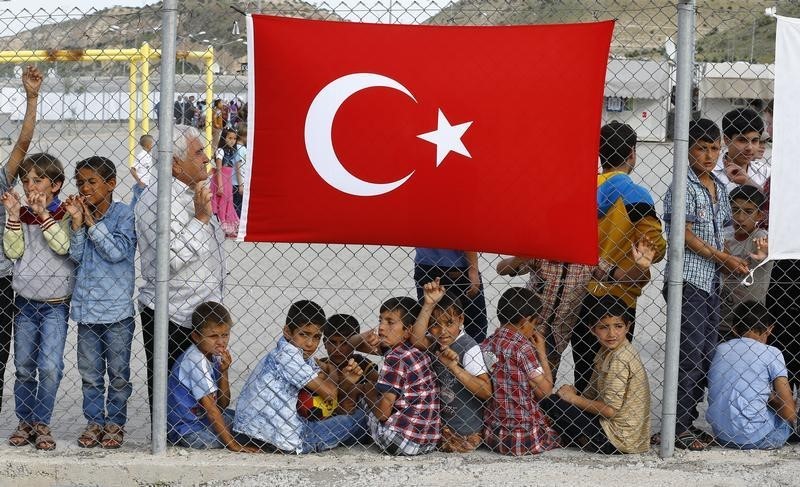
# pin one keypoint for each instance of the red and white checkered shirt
(407, 373)
(514, 423)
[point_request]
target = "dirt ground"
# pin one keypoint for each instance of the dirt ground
(367, 467)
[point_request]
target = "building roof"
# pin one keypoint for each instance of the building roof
(737, 80)
(636, 78)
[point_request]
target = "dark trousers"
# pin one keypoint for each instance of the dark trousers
(454, 278)
(179, 340)
(7, 310)
(237, 201)
(575, 426)
(783, 302)
(584, 344)
(699, 335)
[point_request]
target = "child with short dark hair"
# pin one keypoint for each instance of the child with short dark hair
(708, 213)
(37, 238)
(739, 162)
(267, 407)
(102, 245)
(613, 414)
(750, 403)
(405, 418)
(516, 357)
(748, 242)
(336, 334)
(198, 391)
(459, 366)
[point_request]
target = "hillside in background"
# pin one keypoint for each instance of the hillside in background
(727, 30)
(643, 26)
(201, 23)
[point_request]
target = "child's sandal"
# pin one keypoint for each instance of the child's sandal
(689, 441)
(91, 436)
(43, 437)
(113, 436)
(22, 435)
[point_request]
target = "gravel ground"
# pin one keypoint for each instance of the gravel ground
(368, 468)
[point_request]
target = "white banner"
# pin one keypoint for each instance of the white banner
(784, 206)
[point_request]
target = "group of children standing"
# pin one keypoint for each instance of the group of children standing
(72, 259)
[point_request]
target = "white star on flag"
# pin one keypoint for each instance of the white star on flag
(447, 138)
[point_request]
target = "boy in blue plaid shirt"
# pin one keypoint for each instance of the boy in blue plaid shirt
(708, 213)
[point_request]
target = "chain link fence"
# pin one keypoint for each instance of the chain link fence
(100, 95)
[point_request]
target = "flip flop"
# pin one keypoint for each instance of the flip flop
(687, 440)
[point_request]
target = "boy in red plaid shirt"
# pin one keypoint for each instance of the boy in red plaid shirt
(405, 419)
(516, 357)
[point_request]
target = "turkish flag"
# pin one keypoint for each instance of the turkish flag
(470, 138)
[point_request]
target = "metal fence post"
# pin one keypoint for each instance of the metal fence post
(158, 420)
(683, 110)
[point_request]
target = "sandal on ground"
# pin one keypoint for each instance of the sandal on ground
(655, 439)
(689, 441)
(113, 436)
(43, 437)
(703, 436)
(91, 436)
(22, 436)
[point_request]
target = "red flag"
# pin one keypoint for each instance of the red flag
(475, 138)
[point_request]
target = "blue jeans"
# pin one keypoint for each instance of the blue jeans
(205, 438)
(699, 331)
(345, 429)
(40, 330)
(105, 348)
(774, 439)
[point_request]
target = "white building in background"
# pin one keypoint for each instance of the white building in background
(637, 93)
(725, 86)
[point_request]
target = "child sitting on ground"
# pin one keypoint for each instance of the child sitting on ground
(458, 363)
(267, 407)
(517, 361)
(337, 332)
(103, 246)
(405, 419)
(198, 391)
(750, 403)
(613, 415)
(37, 238)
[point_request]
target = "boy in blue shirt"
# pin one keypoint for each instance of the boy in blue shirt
(102, 245)
(708, 215)
(267, 407)
(198, 391)
(750, 403)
